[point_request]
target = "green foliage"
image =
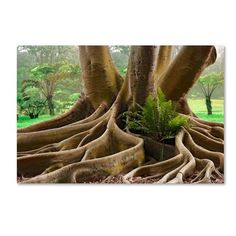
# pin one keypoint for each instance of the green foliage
(41, 71)
(122, 70)
(212, 79)
(208, 83)
(30, 103)
(47, 77)
(52, 71)
(177, 122)
(74, 97)
(157, 118)
(32, 107)
(62, 70)
(62, 105)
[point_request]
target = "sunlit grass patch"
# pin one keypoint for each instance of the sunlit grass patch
(25, 121)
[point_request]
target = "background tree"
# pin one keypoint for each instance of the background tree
(30, 103)
(208, 83)
(217, 67)
(29, 57)
(89, 144)
(46, 77)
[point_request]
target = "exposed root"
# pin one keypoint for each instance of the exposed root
(158, 169)
(96, 169)
(207, 133)
(206, 172)
(209, 123)
(206, 142)
(217, 132)
(96, 150)
(34, 140)
(103, 151)
(66, 144)
(216, 157)
(35, 164)
(101, 110)
(79, 111)
(207, 160)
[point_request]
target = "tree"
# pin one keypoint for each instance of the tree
(89, 144)
(46, 78)
(30, 103)
(208, 83)
(32, 107)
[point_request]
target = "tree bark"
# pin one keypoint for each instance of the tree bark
(50, 106)
(163, 62)
(101, 79)
(185, 70)
(208, 105)
(140, 73)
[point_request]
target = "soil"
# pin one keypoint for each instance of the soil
(139, 180)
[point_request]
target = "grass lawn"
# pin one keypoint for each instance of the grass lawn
(25, 121)
(199, 108)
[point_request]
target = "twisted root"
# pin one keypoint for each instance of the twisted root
(199, 158)
(95, 149)
(98, 151)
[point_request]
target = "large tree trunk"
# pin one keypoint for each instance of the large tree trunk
(140, 73)
(94, 147)
(101, 79)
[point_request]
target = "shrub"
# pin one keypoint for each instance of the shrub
(33, 107)
(65, 101)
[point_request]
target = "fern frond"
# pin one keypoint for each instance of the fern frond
(157, 118)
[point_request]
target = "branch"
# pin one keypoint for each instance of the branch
(203, 89)
(185, 70)
(213, 89)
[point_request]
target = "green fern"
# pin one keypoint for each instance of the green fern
(157, 118)
(177, 122)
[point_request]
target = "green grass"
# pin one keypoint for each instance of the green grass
(199, 108)
(25, 121)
